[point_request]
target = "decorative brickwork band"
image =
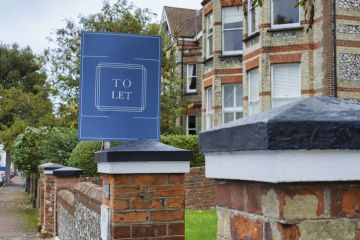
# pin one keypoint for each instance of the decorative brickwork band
(231, 3)
(285, 58)
(208, 9)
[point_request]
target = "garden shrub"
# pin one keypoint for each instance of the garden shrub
(83, 157)
(189, 142)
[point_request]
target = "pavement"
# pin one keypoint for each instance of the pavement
(18, 218)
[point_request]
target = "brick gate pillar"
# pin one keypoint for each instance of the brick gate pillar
(64, 178)
(47, 205)
(144, 191)
(289, 173)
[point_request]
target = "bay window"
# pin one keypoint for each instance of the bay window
(232, 102)
(254, 17)
(209, 35)
(285, 14)
(208, 105)
(254, 91)
(286, 83)
(232, 25)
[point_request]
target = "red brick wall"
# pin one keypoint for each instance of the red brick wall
(200, 191)
(146, 206)
(261, 211)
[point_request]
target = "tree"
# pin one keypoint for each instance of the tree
(64, 60)
(173, 103)
(24, 94)
(40, 145)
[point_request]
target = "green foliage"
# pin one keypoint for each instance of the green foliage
(200, 224)
(24, 93)
(40, 145)
(173, 103)
(64, 59)
(189, 142)
(83, 157)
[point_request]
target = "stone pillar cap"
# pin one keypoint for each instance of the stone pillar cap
(53, 166)
(143, 150)
(67, 172)
(42, 166)
(323, 123)
(143, 156)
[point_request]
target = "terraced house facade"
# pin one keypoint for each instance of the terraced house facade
(269, 58)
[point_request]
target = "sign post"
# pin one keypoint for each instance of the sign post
(120, 87)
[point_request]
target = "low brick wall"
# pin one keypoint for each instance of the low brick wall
(78, 212)
(95, 180)
(200, 191)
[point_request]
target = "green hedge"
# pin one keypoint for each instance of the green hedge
(189, 142)
(83, 154)
(83, 157)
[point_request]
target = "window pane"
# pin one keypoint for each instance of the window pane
(239, 115)
(277, 102)
(210, 45)
(192, 132)
(192, 83)
(232, 15)
(228, 117)
(233, 40)
(193, 73)
(284, 12)
(286, 80)
(239, 95)
(228, 96)
(254, 85)
(191, 122)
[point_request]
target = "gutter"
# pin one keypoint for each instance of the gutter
(335, 50)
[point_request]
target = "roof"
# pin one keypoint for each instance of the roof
(183, 22)
(313, 123)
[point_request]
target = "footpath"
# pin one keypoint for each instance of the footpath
(18, 219)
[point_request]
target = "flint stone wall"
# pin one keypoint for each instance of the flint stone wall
(78, 212)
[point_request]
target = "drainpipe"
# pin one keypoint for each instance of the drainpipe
(335, 52)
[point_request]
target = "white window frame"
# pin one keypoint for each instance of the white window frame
(257, 100)
(188, 129)
(231, 29)
(209, 110)
(234, 109)
(272, 85)
(279, 26)
(209, 25)
(250, 26)
(188, 78)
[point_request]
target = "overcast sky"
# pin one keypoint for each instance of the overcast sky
(29, 22)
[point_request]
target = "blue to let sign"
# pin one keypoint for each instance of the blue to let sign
(119, 87)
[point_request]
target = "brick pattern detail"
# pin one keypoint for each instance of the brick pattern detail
(207, 82)
(252, 64)
(47, 227)
(147, 206)
(263, 211)
(231, 79)
(285, 58)
(231, 3)
(200, 191)
(208, 9)
(41, 199)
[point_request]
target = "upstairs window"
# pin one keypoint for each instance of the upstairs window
(209, 35)
(232, 102)
(232, 25)
(254, 91)
(284, 14)
(254, 17)
(208, 105)
(286, 83)
(191, 78)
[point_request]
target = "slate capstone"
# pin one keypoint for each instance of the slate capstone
(53, 166)
(143, 150)
(67, 172)
(42, 166)
(313, 123)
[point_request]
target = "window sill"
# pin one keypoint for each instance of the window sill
(252, 36)
(191, 93)
(231, 55)
(285, 29)
(208, 59)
